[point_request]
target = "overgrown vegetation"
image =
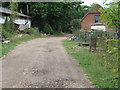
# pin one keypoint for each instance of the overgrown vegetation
(48, 29)
(110, 15)
(32, 31)
(8, 28)
(17, 38)
(101, 61)
(100, 66)
(57, 15)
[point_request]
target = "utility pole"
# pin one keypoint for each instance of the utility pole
(27, 9)
(27, 13)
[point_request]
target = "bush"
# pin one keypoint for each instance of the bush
(75, 23)
(8, 28)
(5, 32)
(59, 34)
(0, 27)
(48, 29)
(9, 25)
(34, 30)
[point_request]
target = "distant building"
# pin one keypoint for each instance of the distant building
(92, 21)
(23, 21)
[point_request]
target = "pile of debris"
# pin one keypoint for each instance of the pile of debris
(74, 38)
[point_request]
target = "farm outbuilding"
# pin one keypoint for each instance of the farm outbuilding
(92, 20)
(23, 21)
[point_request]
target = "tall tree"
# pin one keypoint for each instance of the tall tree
(57, 14)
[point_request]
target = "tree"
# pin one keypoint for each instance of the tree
(13, 16)
(6, 4)
(9, 25)
(57, 14)
(110, 15)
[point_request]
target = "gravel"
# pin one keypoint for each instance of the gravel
(42, 63)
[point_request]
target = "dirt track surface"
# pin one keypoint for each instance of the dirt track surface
(0, 73)
(42, 63)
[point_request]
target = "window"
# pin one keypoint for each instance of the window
(97, 19)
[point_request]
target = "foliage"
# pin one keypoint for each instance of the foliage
(92, 6)
(48, 29)
(8, 28)
(13, 16)
(113, 52)
(53, 13)
(59, 34)
(110, 15)
(57, 14)
(33, 30)
(100, 69)
(75, 23)
(6, 25)
(13, 8)
(11, 25)
(1, 27)
(107, 43)
(6, 4)
(5, 32)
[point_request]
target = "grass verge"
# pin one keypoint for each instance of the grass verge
(94, 64)
(15, 40)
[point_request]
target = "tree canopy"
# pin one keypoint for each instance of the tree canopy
(110, 15)
(57, 14)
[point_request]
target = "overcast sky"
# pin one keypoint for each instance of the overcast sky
(89, 2)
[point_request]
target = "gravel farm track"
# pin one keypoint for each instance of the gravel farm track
(42, 63)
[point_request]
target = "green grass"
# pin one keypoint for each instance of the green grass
(94, 64)
(0, 49)
(7, 47)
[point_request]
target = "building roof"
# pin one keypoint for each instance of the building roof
(7, 11)
(94, 9)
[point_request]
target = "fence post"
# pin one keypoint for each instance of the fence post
(93, 43)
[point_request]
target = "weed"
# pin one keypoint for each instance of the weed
(94, 64)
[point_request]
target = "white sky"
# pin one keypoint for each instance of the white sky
(89, 2)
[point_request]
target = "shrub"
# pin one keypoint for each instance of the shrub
(58, 34)
(8, 28)
(75, 23)
(34, 30)
(0, 27)
(5, 32)
(48, 29)
(9, 25)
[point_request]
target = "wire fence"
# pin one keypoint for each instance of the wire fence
(98, 40)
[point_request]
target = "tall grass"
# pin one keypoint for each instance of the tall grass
(94, 64)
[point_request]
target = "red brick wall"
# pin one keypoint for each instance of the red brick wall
(88, 21)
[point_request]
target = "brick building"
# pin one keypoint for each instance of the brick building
(92, 21)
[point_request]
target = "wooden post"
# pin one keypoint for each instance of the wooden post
(93, 43)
